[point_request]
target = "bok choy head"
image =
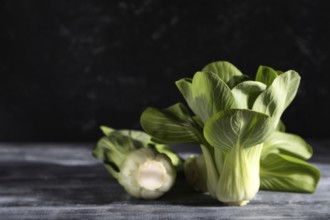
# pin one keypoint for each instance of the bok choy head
(233, 117)
(144, 169)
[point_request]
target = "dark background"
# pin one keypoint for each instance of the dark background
(69, 66)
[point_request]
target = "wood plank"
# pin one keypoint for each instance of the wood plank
(63, 181)
(122, 211)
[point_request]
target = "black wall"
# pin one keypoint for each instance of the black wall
(68, 66)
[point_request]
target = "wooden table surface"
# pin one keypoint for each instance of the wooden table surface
(63, 181)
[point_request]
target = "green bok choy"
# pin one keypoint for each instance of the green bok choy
(236, 121)
(145, 169)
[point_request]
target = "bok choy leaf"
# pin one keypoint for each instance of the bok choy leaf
(279, 172)
(206, 94)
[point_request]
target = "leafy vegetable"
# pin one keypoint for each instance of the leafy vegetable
(238, 125)
(145, 169)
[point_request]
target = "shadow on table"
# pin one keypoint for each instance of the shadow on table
(44, 184)
(107, 191)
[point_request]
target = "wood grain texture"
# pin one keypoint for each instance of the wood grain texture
(63, 181)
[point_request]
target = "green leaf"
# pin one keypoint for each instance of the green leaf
(266, 75)
(285, 143)
(235, 80)
(198, 121)
(106, 130)
(116, 147)
(112, 170)
(184, 86)
(175, 159)
(277, 97)
(241, 127)
(99, 151)
(246, 93)
(281, 126)
(140, 136)
(223, 69)
(280, 172)
(206, 95)
(172, 125)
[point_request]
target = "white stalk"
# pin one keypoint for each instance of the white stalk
(239, 177)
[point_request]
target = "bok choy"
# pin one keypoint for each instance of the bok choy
(237, 123)
(145, 169)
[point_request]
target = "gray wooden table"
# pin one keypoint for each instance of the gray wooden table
(63, 181)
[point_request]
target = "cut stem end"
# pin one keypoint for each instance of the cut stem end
(151, 175)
